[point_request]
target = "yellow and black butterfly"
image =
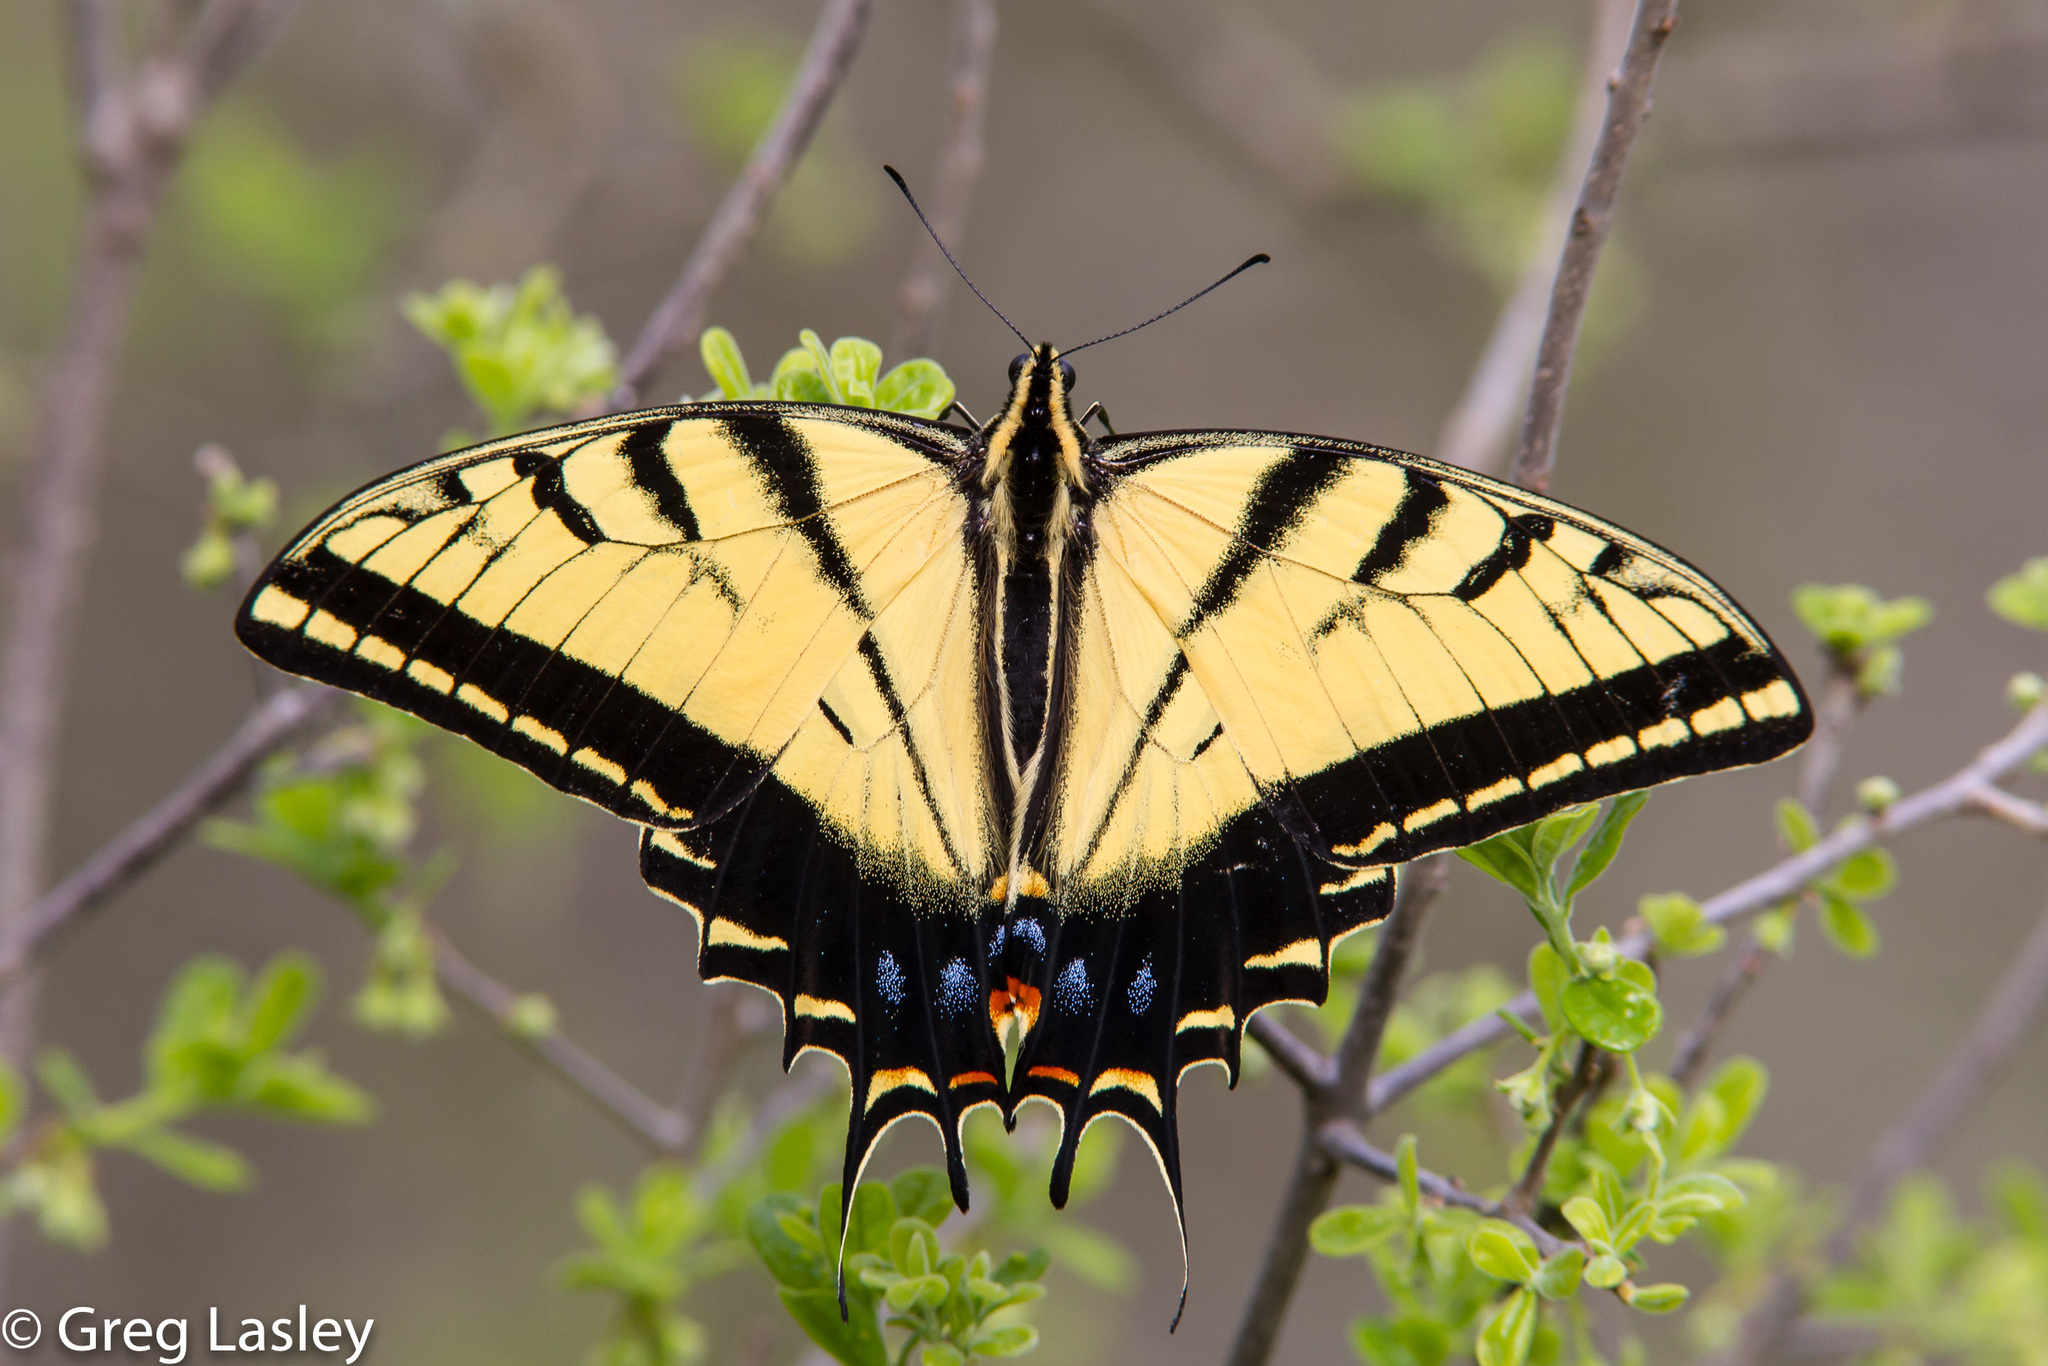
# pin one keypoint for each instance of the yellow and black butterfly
(939, 731)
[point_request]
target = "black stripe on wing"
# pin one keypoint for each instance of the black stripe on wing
(1126, 1001)
(899, 994)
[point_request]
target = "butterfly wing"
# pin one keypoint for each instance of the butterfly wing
(749, 627)
(1409, 657)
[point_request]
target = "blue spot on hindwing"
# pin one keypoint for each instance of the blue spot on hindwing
(1030, 933)
(1070, 990)
(889, 978)
(1142, 987)
(957, 993)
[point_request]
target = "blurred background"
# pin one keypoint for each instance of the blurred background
(1816, 354)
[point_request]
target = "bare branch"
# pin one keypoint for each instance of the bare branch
(664, 1130)
(227, 37)
(1694, 1047)
(1841, 701)
(1344, 1098)
(1956, 1088)
(954, 173)
(1963, 791)
(680, 315)
(1303, 1064)
(153, 834)
(1476, 433)
(2031, 817)
(1627, 107)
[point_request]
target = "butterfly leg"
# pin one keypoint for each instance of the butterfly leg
(1101, 415)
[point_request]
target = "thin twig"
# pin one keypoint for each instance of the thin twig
(1342, 1098)
(2031, 817)
(1522, 1199)
(1628, 105)
(1958, 1085)
(1689, 1058)
(1477, 432)
(679, 317)
(1961, 792)
(954, 173)
(1304, 1065)
(153, 834)
(1343, 1141)
(661, 1129)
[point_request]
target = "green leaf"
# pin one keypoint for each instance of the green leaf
(1020, 1267)
(1505, 1339)
(1506, 859)
(1866, 875)
(1773, 929)
(195, 1161)
(1740, 1084)
(855, 1342)
(1606, 1271)
(1585, 1215)
(1847, 926)
(1851, 618)
(1558, 1277)
(519, 349)
(1657, 1299)
(919, 387)
(1502, 1251)
(913, 1247)
(922, 1193)
(1406, 1170)
(856, 364)
(1092, 1255)
(13, 1100)
(67, 1084)
(1698, 1194)
(2022, 598)
(872, 1220)
(1351, 1229)
(278, 999)
(724, 363)
(302, 1088)
(777, 1227)
(1796, 825)
(1679, 925)
(940, 1354)
(1011, 1341)
(1617, 1014)
(1548, 977)
(1558, 832)
(1606, 841)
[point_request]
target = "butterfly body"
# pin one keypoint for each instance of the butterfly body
(941, 733)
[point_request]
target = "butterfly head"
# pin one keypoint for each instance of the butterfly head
(1036, 426)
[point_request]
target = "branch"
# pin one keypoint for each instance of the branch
(1964, 791)
(1628, 105)
(954, 173)
(157, 831)
(1343, 1141)
(665, 1131)
(1477, 429)
(1341, 1098)
(1956, 1088)
(680, 316)
(1522, 1199)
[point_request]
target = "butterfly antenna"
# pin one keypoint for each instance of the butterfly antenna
(949, 255)
(1259, 260)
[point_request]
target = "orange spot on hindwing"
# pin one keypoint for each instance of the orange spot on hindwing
(1015, 1003)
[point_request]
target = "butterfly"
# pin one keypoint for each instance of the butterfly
(950, 733)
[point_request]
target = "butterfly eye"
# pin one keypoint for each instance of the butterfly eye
(1066, 376)
(1017, 366)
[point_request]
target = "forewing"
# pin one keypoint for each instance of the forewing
(1409, 657)
(642, 610)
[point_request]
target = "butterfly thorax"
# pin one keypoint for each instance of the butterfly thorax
(1036, 483)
